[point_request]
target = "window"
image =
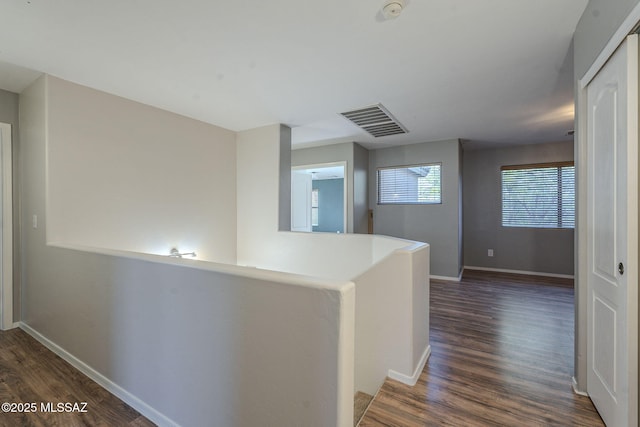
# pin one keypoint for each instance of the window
(420, 184)
(314, 208)
(539, 196)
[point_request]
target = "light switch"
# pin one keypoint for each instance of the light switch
(35, 221)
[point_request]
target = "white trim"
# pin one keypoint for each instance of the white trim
(632, 227)
(527, 273)
(413, 379)
(106, 383)
(581, 235)
(447, 278)
(618, 37)
(6, 265)
(574, 385)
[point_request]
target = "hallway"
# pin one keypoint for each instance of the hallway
(502, 355)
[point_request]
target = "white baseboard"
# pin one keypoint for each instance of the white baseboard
(447, 278)
(413, 379)
(574, 384)
(110, 386)
(528, 273)
(11, 326)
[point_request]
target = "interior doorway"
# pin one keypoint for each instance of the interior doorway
(319, 198)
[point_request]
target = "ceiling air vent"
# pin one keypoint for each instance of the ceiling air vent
(376, 120)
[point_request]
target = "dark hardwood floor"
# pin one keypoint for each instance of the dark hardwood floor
(31, 374)
(502, 355)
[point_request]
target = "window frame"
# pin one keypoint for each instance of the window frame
(559, 202)
(417, 203)
(315, 207)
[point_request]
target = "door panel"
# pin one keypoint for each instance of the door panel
(604, 366)
(603, 161)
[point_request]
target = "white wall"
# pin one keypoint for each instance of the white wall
(187, 342)
(128, 176)
(259, 201)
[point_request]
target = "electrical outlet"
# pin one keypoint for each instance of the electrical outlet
(490, 252)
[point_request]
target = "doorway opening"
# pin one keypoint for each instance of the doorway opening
(319, 198)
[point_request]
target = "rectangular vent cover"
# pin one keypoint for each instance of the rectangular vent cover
(376, 120)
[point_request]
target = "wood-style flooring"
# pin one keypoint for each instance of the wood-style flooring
(31, 373)
(361, 402)
(502, 355)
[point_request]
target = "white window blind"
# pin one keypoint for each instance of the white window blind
(539, 196)
(419, 184)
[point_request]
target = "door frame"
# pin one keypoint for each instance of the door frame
(345, 215)
(581, 236)
(6, 231)
(301, 196)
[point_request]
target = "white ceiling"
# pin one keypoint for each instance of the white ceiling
(487, 71)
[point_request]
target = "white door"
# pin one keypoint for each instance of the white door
(301, 188)
(612, 222)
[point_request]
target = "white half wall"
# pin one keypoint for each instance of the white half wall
(327, 255)
(391, 279)
(128, 176)
(194, 343)
(392, 319)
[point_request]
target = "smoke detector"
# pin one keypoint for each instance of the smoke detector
(392, 9)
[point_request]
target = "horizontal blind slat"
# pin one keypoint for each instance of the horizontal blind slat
(418, 184)
(541, 196)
